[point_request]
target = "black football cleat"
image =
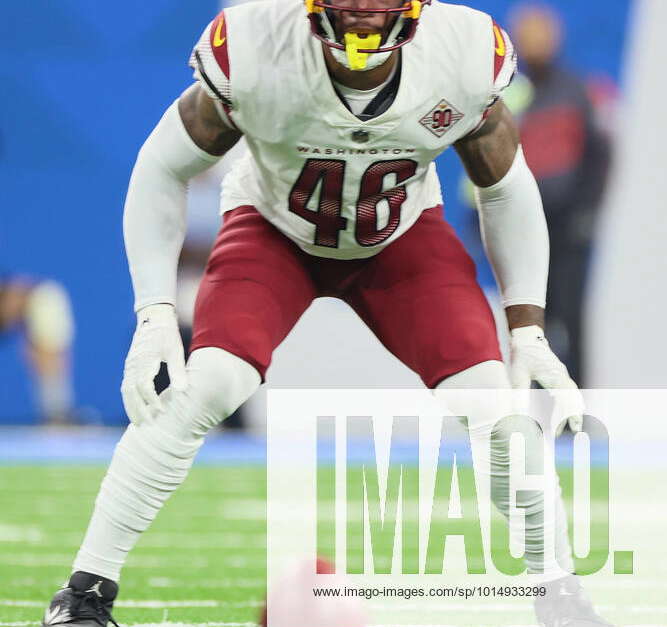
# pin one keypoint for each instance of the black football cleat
(566, 605)
(86, 601)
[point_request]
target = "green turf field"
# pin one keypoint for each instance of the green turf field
(203, 559)
(202, 562)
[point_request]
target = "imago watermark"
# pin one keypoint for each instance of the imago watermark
(408, 507)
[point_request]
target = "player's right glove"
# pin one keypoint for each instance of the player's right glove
(155, 340)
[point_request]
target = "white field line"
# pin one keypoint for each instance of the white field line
(228, 557)
(148, 605)
(237, 489)
(33, 561)
(621, 584)
(174, 604)
(217, 584)
(191, 624)
(505, 607)
(17, 533)
(210, 624)
(167, 624)
(139, 561)
(182, 541)
(156, 604)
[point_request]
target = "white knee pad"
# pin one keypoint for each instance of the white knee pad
(218, 384)
(481, 410)
(488, 374)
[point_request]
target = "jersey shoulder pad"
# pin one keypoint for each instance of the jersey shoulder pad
(210, 61)
(476, 46)
(504, 61)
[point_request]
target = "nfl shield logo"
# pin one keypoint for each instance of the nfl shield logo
(441, 118)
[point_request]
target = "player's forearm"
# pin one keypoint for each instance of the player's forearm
(154, 221)
(516, 241)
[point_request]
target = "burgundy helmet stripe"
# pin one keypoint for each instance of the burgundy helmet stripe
(500, 46)
(218, 36)
(348, 9)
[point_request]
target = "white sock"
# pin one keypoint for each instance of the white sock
(540, 534)
(152, 460)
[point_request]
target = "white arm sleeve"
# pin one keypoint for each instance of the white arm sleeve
(155, 209)
(515, 235)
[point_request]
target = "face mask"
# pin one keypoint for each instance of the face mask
(351, 58)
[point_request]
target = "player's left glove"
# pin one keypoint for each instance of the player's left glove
(531, 359)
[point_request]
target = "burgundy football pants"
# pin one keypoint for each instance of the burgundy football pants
(419, 295)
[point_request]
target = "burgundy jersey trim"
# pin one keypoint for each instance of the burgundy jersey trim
(219, 42)
(500, 50)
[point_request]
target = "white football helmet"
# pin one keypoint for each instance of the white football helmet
(363, 51)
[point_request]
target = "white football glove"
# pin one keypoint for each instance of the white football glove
(531, 359)
(155, 340)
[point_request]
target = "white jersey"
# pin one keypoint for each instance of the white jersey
(338, 186)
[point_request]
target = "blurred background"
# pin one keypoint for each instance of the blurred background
(84, 83)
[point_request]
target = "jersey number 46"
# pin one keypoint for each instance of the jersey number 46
(328, 221)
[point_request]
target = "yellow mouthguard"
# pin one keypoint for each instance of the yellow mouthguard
(353, 42)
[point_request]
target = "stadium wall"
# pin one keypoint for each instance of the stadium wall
(86, 82)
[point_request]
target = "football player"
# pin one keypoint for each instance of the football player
(344, 109)
(41, 311)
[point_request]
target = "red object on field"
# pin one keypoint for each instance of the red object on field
(295, 605)
(324, 567)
